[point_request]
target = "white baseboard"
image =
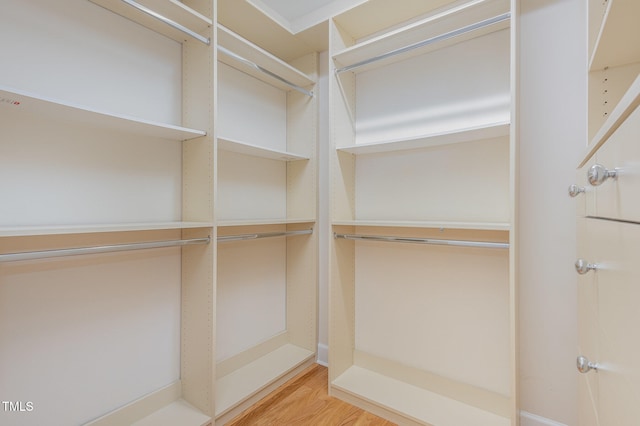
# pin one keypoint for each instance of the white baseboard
(323, 355)
(528, 419)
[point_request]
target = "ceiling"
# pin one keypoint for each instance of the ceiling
(299, 15)
(292, 10)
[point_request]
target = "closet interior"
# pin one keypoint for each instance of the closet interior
(159, 232)
(422, 290)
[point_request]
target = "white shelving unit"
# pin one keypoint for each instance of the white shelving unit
(112, 195)
(420, 156)
(267, 178)
(613, 62)
(607, 216)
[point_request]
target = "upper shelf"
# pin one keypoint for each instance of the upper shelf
(460, 23)
(29, 231)
(616, 41)
(38, 106)
(480, 226)
(264, 222)
(161, 15)
(629, 102)
(493, 130)
(247, 57)
(257, 151)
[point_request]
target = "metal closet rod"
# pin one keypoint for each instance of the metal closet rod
(167, 21)
(244, 237)
(432, 40)
(432, 241)
(264, 71)
(32, 255)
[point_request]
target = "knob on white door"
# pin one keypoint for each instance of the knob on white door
(584, 365)
(597, 174)
(582, 266)
(575, 190)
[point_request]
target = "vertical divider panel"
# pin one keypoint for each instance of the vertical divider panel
(302, 136)
(513, 201)
(199, 188)
(342, 207)
(302, 202)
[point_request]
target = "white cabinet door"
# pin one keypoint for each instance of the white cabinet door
(609, 300)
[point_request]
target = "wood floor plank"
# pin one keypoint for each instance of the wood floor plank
(304, 400)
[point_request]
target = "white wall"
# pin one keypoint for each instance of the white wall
(552, 137)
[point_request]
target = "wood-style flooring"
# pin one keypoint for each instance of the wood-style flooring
(304, 400)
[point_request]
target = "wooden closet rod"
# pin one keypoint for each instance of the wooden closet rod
(264, 71)
(432, 241)
(432, 40)
(244, 237)
(167, 21)
(31, 255)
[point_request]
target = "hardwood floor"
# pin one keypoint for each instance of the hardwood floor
(304, 400)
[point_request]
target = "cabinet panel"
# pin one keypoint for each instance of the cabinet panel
(76, 51)
(54, 173)
(606, 335)
(433, 93)
(617, 245)
(251, 111)
(69, 328)
(414, 306)
(467, 182)
(258, 269)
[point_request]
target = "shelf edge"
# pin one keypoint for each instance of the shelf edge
(629, 102)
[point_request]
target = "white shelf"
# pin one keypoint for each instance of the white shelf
(616, 41)
(26, 231)
(629, 102)
(174, 10)
(176, 413)
(489, 131)
(425, 29)
(43, 107)
(257, 151)
(480, 226)
(249, 51)
(235, 387)
(263, 222)
(413, 402)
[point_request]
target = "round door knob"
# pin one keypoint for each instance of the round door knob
(584, 365)
(582, 266)
(575, 190)
(597, 174)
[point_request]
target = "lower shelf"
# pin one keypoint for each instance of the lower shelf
(410, 402)
(164, 407)
(245, 382)
(177, 413)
